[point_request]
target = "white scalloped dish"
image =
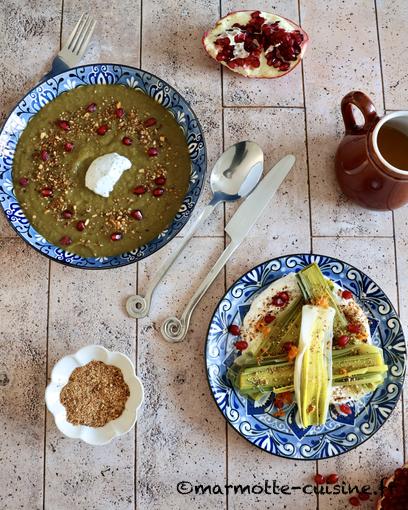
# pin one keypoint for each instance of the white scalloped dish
(59, 378)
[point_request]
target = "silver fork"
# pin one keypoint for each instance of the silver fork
(75, 46)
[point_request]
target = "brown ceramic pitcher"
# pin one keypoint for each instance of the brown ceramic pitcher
(363, 173)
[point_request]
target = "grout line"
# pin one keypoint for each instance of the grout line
(46, 378)
(263, 107)
(353, 237)
(393, 224)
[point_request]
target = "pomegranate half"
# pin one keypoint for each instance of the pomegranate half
(395, 494)
(256, 44)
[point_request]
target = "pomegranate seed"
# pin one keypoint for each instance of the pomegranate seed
(269, 318)
(139, 190)
(68, 147)
(91, 107)
(353, 328)
(241, 345)
(284, 67)
(136, 214)
(344, 408)
(44, 155)
(234, 329)
(23, 182)
(116, 236)
(65, 241)
(102, 129)
(80, 225)
(160, 180)
(333, 478)
(280, 299)
(67, 214)
(119, 112)
(126, 140)
(319, 479)
(46, 192)
(158, 192)
(346, 294)
(354, 501)
(342, 341)
(151, 121)
(287, 346)
(152, 152)
(363, 496)
(64, 124)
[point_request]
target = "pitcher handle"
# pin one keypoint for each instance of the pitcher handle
(365, 105)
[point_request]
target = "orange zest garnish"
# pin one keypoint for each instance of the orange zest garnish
(322, 301)
(286, 396)
(293, 352)
(279, 413)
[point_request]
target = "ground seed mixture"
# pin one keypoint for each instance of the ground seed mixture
(95, 394)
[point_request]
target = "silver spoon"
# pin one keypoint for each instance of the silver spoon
(235, 174)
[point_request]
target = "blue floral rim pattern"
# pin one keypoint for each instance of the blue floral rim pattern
(281, 436)
(91, 75)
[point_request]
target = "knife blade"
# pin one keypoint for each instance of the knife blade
(253, 206)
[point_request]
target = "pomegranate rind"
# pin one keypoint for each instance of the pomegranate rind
(243, 17)
(386, 484)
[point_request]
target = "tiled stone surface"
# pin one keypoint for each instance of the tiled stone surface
(333, 68)
(30, 36)
(181, 433)
(23, 340)
(279, 131)
(383, 453)
(87, 307)
(392, 22)
(172, 50)
(285, 91)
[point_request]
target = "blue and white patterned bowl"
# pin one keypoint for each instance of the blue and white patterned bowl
(282, 436)
(91, 75)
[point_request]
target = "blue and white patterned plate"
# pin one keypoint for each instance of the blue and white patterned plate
(91, 75)
(281, 436)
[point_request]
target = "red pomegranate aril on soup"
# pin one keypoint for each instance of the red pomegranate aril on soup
(65, 241)
(342, 340)
(280, 299)
(80, 226)
(119, 112)
(353, 328)
(354, 501)
(363, 496)
(160, 180)
(269, 318)
(319, 479)
(333, 478)
(152, 152)
(68, 147)
(102, 130)
(126, 140)
(151, 121)
(46, 192)
(346, 294)
(67, 214)
(234, 329)
(91, 107)
(139, 190)
(136, 214)
(44, 155)
(64, 124)
(241, 345)
(345, 409)
(23, 182)
(116, 236)
(158, 192)
(287, 346)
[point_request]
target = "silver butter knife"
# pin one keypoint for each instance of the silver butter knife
(174, 329)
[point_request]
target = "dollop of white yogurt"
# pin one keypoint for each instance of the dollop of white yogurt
(104, 172)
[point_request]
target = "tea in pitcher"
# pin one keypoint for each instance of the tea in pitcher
(393, 145)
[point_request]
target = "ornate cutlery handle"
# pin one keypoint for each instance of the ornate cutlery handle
(139, 306)
(174, 329)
